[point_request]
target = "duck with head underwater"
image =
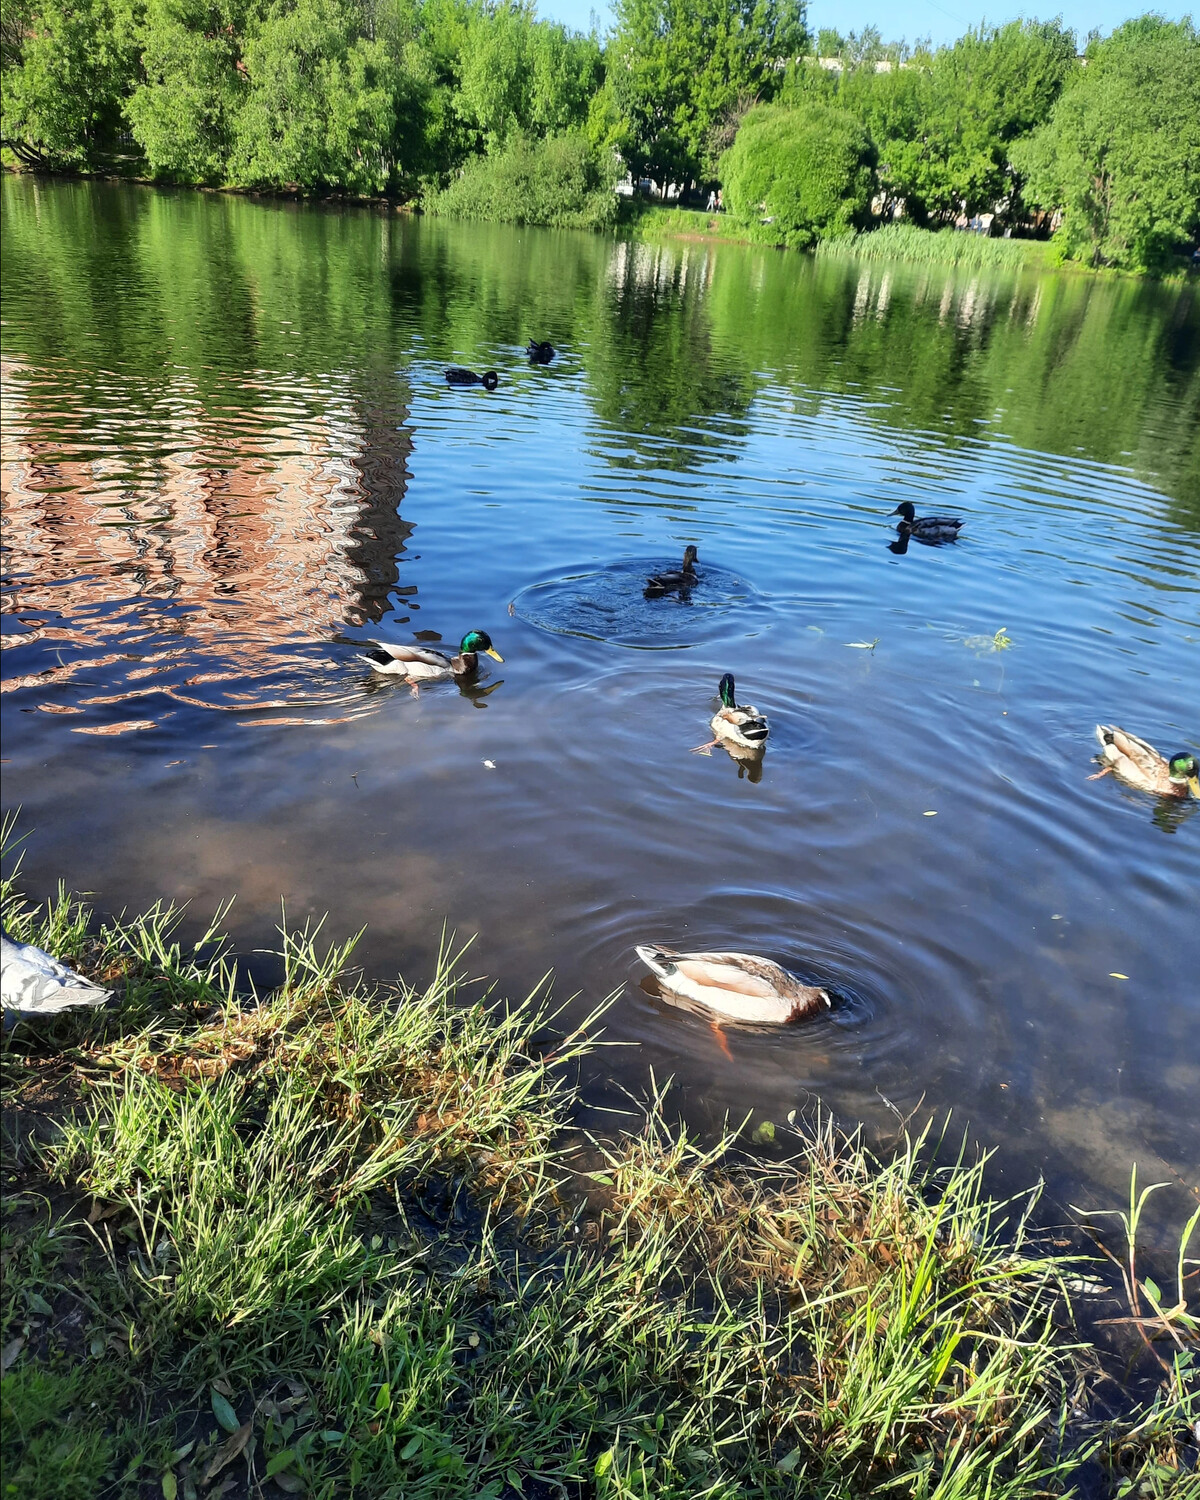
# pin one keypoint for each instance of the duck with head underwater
(1141, 766)
(734, 986)
(741, 728)
(418, 664)
(675, 578)
(933, 530)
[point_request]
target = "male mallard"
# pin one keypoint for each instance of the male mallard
(34, 984)
(456, 375)
(676, 578)
(540, 354)
(744, 728)
(737, 986)
(417, 664)
(1140, 764)
(927, 528)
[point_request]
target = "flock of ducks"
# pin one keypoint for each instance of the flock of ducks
(724, 986)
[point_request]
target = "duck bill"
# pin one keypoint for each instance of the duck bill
(1194, 786)
(493, 653)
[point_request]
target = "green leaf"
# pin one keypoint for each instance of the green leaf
(331, 1436)
(514, 1479)
(38, 1304)
(604, 1463)
(411, 1448)
(764, 1133)
(789, 1461)
(1151, 1290)
(282, 1460)
(384, 1398)
(223, 1412)
(170, 1486)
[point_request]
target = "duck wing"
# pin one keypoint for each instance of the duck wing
(34, 983)
(421, 654)
(1118, 746)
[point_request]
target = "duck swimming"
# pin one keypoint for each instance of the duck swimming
(735, 986)
(417, 664)
(741, 728)
(1140, 764)
(933, 529)
(679, 578)
(540, 354)
(456, 375)
(32, 983)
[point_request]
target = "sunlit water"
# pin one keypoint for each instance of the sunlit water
(230, 458)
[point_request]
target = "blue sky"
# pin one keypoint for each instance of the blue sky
(943, 20)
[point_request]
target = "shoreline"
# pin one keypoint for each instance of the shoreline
(907, 244)
(339, 1239)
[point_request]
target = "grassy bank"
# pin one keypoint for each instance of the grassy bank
(339, 1241)
(905, 242)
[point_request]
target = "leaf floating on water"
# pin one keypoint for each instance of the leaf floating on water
(930, 814)
(1115, 975)
(764, 1134)
(1001, 641)
(863, 645)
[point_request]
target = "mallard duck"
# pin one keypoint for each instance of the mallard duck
(742, 728)
(926, 528)
(417, 664)
(735, 986)
(1140, 764)
(34, 984)
(681, 578)
(456, 375)
(540, 354)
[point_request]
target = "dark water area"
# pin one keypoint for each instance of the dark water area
(230, 458)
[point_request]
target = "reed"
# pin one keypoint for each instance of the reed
(945, 247)
(343, 1240)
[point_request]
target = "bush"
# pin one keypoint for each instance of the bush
(557, 181)
(793, 176)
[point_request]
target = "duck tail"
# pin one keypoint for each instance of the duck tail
(660, 961)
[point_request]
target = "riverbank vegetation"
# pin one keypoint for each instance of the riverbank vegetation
(483, 111)
(340, 1240)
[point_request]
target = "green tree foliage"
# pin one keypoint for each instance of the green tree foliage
(557, 181)
(944, 122)
(320, 109)
(794, 176)
(679, 67)
(1121, 151)
(66, 68)
(185, 112)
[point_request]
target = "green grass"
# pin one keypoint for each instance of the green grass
(342, 1241)
(944, 247)
(648, 221)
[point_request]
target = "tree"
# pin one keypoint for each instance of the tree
(1121, 151)
(321, 107)
(69, 65)
(678, 66)
(184, 114)
(794, 176)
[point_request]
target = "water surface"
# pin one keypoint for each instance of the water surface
(230, 458)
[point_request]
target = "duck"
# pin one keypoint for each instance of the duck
(741, 728)
(675, 578)
(417, 664)
(33, 983)
(1140, 764)
(456, 375)
(926, 528)
(734, 986)
(540, 354)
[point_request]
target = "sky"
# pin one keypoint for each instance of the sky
(943, 20)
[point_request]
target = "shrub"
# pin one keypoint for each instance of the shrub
(558, 181)
(794, 176)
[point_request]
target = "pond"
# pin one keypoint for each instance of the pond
(231, 460)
